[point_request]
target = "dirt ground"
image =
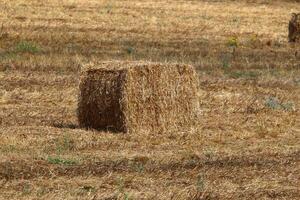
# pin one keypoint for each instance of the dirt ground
(246, 144)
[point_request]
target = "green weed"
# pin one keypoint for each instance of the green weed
(64, 143)
(61, 161)
(26, 47)
(243, 74)
(26, 190)
(232, 42)
(200, 183)
(129, 50)
(275, 104)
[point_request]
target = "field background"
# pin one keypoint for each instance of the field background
(247, 143)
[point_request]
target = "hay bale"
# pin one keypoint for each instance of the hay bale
(294, 28)
(138, 96)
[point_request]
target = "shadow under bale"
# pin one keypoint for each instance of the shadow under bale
(64, 125)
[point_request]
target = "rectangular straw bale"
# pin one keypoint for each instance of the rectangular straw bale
(294, 28)
(138, 96)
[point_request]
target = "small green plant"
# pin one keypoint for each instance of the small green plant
(41, 191)
(88, 188)
(8, 148)
(275, 104)
(26, 47)
(8, 56)
(232, 42)
(243, 74)
(61, 161)
(225, 59)
(297, 81)
(121, 185)
(201, 187)
(274, 72)
(138, 167)
(208, 153)
(256, 42)
(225, 64)
(26, 190)
(200, 183)
(108, 9)
(288, 106)
(64, 143)
(129, 50)
(236, 20)
(121, 189)
(126, 196)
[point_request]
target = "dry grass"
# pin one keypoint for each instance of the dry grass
(247, 141)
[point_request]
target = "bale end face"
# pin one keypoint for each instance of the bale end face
(294, 28)
(99, 100)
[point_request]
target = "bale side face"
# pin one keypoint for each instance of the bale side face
(161, 97)
(99, 100)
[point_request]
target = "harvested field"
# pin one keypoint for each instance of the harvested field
(246, 144)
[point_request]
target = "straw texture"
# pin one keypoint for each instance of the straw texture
(138, 96)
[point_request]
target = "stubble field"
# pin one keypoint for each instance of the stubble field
(246, 144)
